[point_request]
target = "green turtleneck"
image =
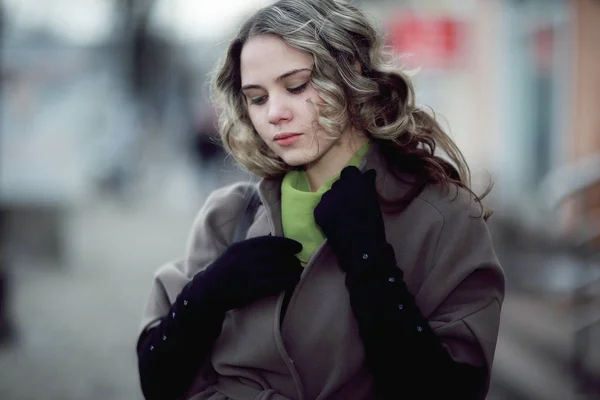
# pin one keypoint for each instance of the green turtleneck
(298, 203)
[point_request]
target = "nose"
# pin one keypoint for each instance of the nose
(279, 111)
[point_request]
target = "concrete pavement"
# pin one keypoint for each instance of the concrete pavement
(77, 323)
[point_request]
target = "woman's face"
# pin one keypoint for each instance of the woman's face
(281, 100)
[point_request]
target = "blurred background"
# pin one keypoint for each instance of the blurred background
(107, 152)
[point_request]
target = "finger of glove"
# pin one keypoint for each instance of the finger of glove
(271, 244)
(261, 288)
(276, 266)
(345, 184)
(325, 201)
(370, 177)
(370, 182)
(350, 173)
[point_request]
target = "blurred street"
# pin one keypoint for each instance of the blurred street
(77, 323)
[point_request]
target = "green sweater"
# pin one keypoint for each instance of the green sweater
(298, 203)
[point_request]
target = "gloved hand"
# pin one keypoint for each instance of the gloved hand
(247, 271)
(170, 353)
(349, 213)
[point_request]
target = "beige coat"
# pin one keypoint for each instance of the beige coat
(316, 353)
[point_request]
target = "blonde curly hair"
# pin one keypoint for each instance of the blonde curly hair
(377, 98)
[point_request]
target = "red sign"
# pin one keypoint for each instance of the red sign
(429, 41)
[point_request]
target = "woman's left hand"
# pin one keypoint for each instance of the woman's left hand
(349, 213)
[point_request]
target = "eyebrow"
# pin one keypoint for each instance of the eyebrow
(287, 74)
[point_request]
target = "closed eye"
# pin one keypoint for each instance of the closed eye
(258, 100)
(298, 89)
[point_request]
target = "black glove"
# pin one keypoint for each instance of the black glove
(248, 270)
(350, 211)
(170, 354)
(350, 216)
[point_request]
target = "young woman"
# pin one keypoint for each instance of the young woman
(368, 271)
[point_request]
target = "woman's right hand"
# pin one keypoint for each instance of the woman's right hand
(170, 354)
(247, 271)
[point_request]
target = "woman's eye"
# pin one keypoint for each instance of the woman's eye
(258, 100)
(298, 89)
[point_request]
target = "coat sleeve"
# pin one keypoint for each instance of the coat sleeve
(439, 341)
(211, 233)
(466, 287)
(462, 295)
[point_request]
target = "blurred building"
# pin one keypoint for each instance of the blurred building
(517, 84)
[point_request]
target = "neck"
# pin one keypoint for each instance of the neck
(335, 159)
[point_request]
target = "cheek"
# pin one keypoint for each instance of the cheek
(315, 96)
(258, 127)
(311, 102)
(255, 119)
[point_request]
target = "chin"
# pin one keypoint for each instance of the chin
(295, 161)
(302, 157)
(298, 156)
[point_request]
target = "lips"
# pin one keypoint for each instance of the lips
(281, 136)
(286, 139)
